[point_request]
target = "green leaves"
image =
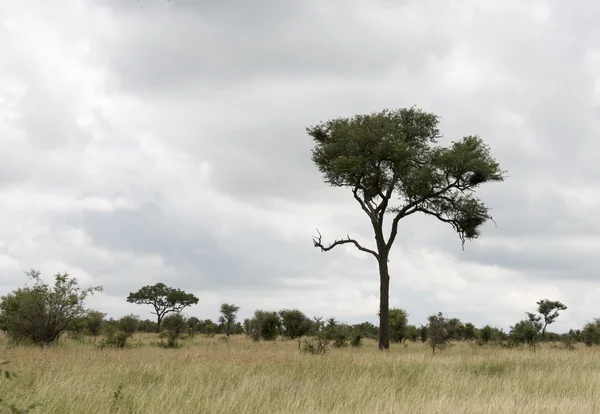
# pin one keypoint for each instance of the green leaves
(164, 299)
(40, 313)
(390, 155)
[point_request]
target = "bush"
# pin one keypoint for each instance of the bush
(129, 324)
(591, 333)
(525, 332)
(41, 313)
(437, 334)
(175, 327)
(356, 341)
(315, 345)
(114, 339)
(93, 321)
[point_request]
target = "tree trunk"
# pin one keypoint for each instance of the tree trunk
(384, 305)
(227, 328)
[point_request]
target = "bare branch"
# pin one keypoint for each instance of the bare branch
(317, 240)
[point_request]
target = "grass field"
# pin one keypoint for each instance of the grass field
(209, 376)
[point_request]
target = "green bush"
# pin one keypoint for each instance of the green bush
(315, 345)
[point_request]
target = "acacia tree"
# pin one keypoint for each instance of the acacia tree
(228, 315)
(389, 162)
(164, 299)
(549, 311)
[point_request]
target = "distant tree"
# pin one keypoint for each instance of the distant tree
(486, 333)
(392, 155)
(437, 332)
(164, 299)
(412, 333)
(265, 325)
(176, 325)
(208, 327)
(148, 326)
(295, 324)
(591, 333)
(549, 310)
(76, 328)
(228, 315)
(94, 320)
(423, 333)
(129, 324)
(367, 330)
(575, 335)
(526, 332)
(470, 332)
(194, 325)
(455, 329)
(318, 323)
(536, 321)
(41, 313)
(398, 324)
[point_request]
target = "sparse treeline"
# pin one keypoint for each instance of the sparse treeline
(41, 313)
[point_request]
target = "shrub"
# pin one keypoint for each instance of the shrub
(316, 345)
(525, 332)
(356, 341)
(93, 320)
(114, 339)
(437, 334)
(41, 313)
(129, 324)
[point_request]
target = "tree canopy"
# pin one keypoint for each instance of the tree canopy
(163, 299)
(392, 165)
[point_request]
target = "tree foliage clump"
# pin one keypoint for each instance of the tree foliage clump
(175, 326)
(437, 333)
(392, 165)
(39, 314)
(265, 325)
(163, 299)
(295, 324)
(228, 315)
(527, 332)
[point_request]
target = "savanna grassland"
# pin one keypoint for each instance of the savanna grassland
(207, 375)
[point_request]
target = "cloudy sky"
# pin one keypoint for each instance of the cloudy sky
(154, 140)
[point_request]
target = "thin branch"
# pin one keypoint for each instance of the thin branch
(366, 207)
(317, 240)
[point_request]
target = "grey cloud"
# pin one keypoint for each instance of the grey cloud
(215, 43)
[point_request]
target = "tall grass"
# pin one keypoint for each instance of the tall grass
(241, 376)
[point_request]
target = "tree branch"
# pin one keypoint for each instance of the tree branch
(317, 240)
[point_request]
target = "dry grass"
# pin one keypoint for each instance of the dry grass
(208, 376)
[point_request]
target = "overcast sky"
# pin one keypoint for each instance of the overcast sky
(146, 141)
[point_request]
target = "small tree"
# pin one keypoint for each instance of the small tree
(194, 325)
(164, 299)
(295, 324)
(526, 332)
(265, 325)
(591, 333)
(129, 324)
(228, 315)
(398, 324)
(456, 329)
(549, 310)
(486, 333)
(412, 333)
(391, 156)
(94, 320)
(41, 313)
(423, 333)
(437, 333)
(470, 332)
(175, 326)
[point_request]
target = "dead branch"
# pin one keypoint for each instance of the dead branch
(317, 240)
